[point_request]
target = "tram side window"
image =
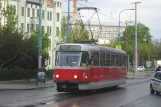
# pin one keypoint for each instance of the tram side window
(108, 59)
(120, 59)
(94, 59)
(116, 60)
(84, 59)
(124, 60)
(112, 59)
(102, 59)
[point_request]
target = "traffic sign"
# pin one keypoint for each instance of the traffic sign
(118, 47)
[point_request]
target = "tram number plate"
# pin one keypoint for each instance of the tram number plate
(64, 86)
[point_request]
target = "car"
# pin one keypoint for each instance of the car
(140, 68)
(155, 85)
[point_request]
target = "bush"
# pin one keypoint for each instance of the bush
(49, 74)
(17, 74)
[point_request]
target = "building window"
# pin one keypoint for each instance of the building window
(57, 4)
(28, 12)
(49, 59)
(22, 11)
(28, 28)
(104, 35)
(112, 35)
(22, 26)
(37, 26)
(57, 31)
(60, 4)
(43, 14)
(115, 34)
(50, 30)
(57, 14)
(108, 34)
(37, 12)
(50, 15)
(32, 28)
(33, 12)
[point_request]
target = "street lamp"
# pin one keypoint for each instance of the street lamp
(136, 35)
(119, 24)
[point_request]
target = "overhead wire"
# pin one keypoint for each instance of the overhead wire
(103, 14)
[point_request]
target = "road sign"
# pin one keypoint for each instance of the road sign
(118, 47)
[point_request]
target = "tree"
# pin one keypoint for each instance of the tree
(15, 51)
(77, 31)
(45, 40)
(143, 37)
(11, 19)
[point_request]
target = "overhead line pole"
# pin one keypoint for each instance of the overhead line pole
(68, 26)
(136, 56)
(40, 36)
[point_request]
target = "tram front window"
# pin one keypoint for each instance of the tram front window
(68, 59)
(71, 59)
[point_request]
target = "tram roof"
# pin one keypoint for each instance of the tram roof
(92, 47)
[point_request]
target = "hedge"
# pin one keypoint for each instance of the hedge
(18, 74)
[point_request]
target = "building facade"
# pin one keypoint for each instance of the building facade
(105, 34)
(28, 20)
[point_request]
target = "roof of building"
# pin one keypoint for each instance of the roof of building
(49, 3)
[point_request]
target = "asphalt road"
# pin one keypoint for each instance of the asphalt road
(134, 94)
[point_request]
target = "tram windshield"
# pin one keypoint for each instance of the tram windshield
(72, 59)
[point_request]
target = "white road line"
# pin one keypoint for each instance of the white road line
(138, 101)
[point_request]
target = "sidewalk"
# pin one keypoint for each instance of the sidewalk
(139, 75)
(24, 85)
(30, 85)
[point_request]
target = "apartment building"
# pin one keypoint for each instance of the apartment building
(105, 34)
(28, 20)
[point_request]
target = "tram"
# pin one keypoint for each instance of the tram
(88, 67)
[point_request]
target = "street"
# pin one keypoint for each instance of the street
(134, 94)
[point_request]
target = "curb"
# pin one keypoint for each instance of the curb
(30, 88)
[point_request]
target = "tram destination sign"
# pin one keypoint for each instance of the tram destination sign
(70, 48)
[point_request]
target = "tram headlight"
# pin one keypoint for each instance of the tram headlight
(57, 76)
(86, 77)
(75, 76)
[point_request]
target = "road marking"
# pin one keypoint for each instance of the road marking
(48, 103)
(138, 101)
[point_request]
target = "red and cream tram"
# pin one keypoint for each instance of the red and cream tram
(88, 67)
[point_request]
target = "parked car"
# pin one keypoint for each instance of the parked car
(140, 68)
(155, 85)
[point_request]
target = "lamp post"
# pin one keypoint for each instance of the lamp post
(135, 68)
(68, 25)
(40, 36)
(119, 24)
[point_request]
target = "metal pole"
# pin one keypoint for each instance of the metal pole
(119, 29)
(40, 37)
(136, 36)
(126, 37)
(68, 29)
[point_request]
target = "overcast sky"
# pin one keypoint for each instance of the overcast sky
(149, 12)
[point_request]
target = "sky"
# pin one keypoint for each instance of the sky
(148, 12)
